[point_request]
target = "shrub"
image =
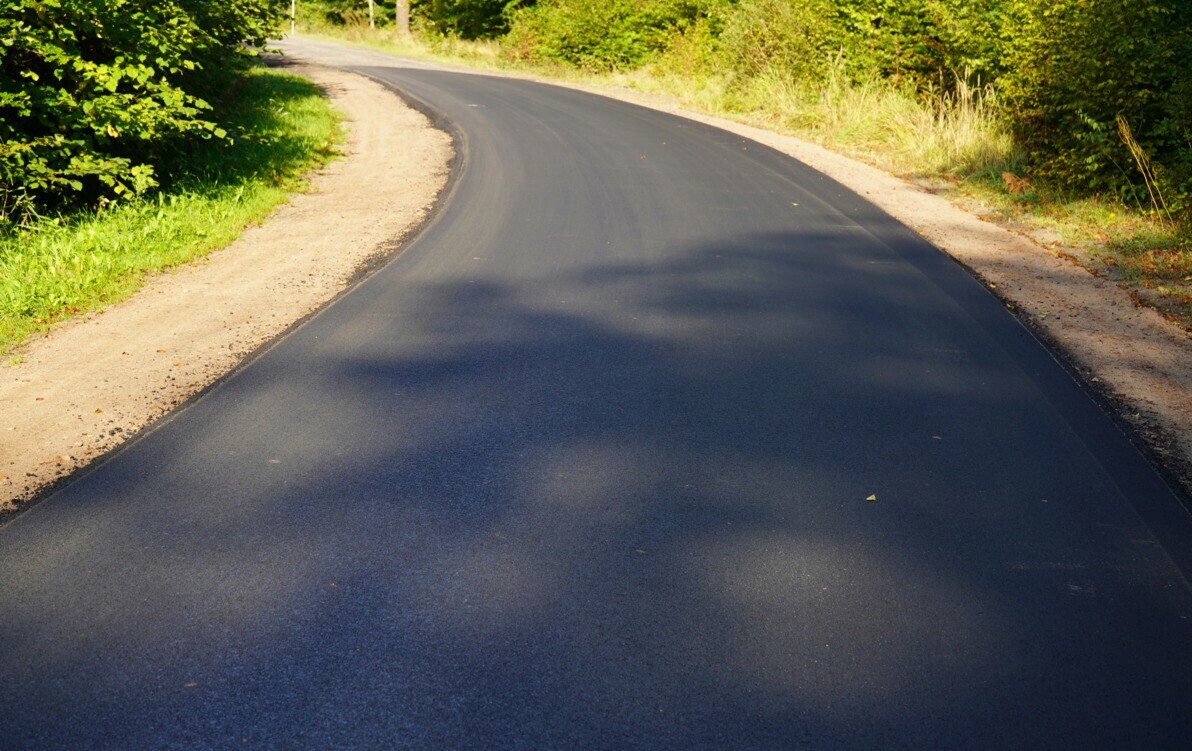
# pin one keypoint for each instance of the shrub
(1075, 67)
(93, 92)
(468, 19)
(919, 42)
(777, 37)
(616, 34)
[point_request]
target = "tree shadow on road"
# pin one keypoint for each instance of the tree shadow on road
(621, 505)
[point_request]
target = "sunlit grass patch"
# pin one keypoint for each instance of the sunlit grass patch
(1127, 244)
(281, 127)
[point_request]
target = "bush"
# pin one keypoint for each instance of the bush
(1075, 67)
(93, 92)
(467, 19)
(616, 34)
(920, 42)
(777, 37)
(283, 127)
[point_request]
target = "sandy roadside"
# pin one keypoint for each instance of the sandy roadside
(91, 384)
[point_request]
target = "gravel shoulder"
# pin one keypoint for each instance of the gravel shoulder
(88, 386)
(92, 384)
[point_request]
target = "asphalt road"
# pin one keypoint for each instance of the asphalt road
(586, 466)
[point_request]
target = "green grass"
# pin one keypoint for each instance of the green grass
(1150, 257)
(281, 127)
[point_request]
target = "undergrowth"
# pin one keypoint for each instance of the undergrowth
(280, 127)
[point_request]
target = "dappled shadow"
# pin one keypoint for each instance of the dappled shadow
(271, 127)
(621, 504)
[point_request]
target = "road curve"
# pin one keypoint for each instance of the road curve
(587, 466)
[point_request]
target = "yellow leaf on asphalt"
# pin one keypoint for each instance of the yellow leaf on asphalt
(871, 498)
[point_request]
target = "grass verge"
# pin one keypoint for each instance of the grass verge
(1151, 258)
(281, 127)
(956, 142)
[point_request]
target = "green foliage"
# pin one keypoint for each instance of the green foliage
(94, 92)
(468, 19)
(334, 13)
(1075, 66)
(615, 34)
(461, 19)
(279, 128)
(918, 41)
(776, 37)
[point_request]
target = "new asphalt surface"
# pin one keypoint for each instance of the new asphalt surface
(587, 466)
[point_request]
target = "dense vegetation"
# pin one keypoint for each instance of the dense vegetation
(99, 97)
(136, 135)
(279, 127)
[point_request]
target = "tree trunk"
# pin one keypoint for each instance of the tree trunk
(372, 23)
(402, 17)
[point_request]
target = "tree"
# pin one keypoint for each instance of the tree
(94, 92)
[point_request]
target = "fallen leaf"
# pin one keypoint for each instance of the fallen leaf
(872, 498)
(1016, 185)
(160, 349)
(98, 411)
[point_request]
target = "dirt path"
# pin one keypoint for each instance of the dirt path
(90, 385)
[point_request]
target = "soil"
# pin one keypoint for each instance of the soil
(86, 387)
